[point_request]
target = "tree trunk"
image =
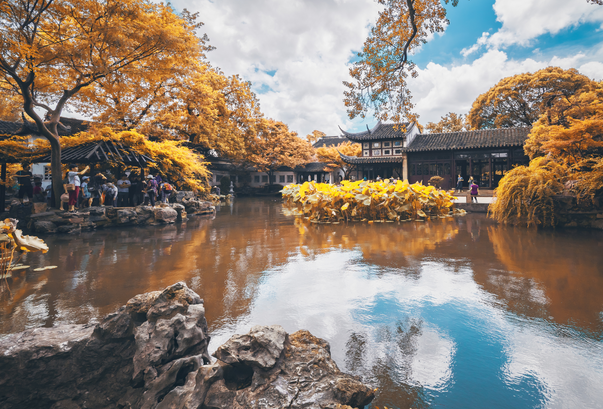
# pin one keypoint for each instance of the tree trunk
(56, 171)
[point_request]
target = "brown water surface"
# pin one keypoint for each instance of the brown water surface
(456, 312)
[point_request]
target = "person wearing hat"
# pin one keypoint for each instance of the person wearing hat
(74, 184)
(86, 196)
(152, 187)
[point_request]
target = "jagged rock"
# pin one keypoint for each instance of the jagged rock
(280, 370)
(97, 210)
(165, 215)
(145, 214)
(180, 195)
(152, 354)
(181, 211)
(43, 226)
(126, 215)
(69, 229)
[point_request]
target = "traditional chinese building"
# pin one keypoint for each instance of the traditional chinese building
(406, 153)
(383, 151)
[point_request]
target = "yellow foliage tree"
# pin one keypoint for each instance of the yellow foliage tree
(566, 151)
(451, 122)
(315, 136)
(383, 67)
(379, 76)
(274, 146)
(571, 129)
(52, 51)
(519, 100)
(331, 156)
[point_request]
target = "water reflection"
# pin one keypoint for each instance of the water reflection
(453, 313)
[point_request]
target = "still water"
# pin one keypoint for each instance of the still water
(453, 313)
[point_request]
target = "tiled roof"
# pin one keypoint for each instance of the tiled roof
(368, 160)
(380, 131)
(486, 138)
(330, 141)
(9, 128)
(104, 151)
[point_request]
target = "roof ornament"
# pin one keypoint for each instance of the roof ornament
(368, 130)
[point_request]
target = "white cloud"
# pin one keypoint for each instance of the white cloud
(525, 20)
(440, 89)
(308, 44)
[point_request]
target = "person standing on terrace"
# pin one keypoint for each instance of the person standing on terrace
(73, 187)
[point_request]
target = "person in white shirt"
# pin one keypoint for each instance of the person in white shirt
(123, 191)
(73, 187)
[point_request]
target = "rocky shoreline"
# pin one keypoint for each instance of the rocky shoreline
(32, 220)
(153, 353)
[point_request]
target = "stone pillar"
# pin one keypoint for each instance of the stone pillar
(404, 167)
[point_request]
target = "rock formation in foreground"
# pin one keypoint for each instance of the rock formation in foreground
(152, 353)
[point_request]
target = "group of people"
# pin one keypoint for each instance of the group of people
(473, 187)
(103, 190)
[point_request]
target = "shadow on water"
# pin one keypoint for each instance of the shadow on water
(449, 313)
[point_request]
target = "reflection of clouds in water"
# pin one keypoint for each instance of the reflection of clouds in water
(338, 297)
(335, 294)
(432, 361)
(571, 369)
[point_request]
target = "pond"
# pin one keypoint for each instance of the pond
(451, 313)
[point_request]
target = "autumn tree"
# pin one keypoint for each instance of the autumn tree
(566, 151)
(200, 105)
(315, 136)
(384, 65)
(331, 155)
(379, 77)
(519, 100)
(451, 122)
(275, 146)
(51, 51)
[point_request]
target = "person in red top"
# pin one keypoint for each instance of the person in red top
(474, 192)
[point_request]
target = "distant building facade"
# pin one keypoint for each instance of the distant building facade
(408, 154)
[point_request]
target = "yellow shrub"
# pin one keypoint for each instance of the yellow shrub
(373, 201)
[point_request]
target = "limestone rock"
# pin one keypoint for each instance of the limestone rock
(165, 215)
(43, 226)
(261, 347)
(126, 215)
(182, 194)
(152, 354)
(69, 229)
(303, 376)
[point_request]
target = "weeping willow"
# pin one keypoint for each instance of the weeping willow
(525, 194)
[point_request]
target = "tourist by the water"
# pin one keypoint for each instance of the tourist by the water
(470, 182)
(73, 185)
(38, 193)
(110, 191)
(96, 188)
(152, 189)
(474, 191)
(136, 188)
(459, 183)
(86, 196)
(25, 186)
(48, 192)
(166, 192)
(123, 191)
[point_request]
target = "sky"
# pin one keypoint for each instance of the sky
(297, 53)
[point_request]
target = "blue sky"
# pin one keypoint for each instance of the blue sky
(296, 53)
